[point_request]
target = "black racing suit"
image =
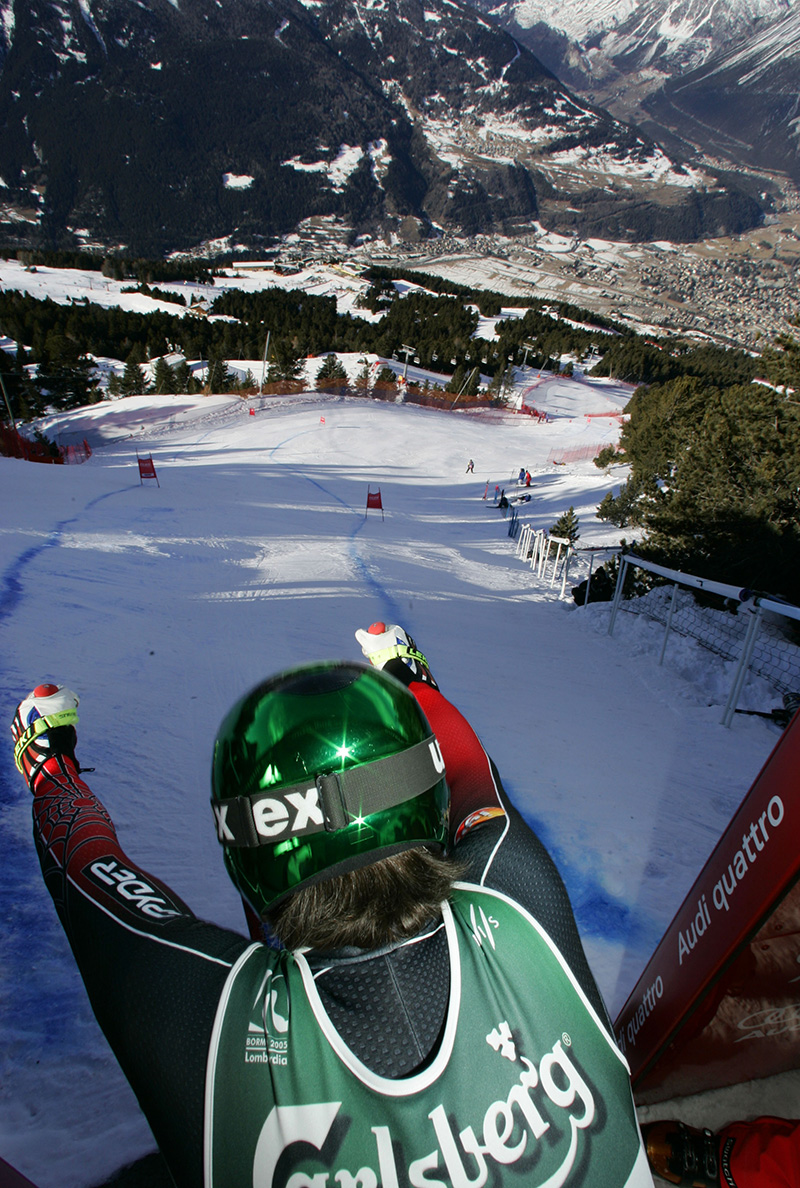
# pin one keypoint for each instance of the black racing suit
(154, 973)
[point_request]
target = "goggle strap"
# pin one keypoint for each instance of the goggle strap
(339, 799)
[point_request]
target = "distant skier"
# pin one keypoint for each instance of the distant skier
(470, 467)
(430, 1018)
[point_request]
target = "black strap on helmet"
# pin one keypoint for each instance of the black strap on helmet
(333, 801)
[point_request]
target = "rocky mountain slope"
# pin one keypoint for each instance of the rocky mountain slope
(161, 125)
(602, 44)
(743, 102)
(720, 75)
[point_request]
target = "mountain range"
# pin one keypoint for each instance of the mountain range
(721, 76)
(743, 102)
(616, 39)
(167, 124)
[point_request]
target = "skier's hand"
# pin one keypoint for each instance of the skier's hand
(392, 648)
(44, 726)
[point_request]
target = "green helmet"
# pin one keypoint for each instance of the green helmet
(320, 770)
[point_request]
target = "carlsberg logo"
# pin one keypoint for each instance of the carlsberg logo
(510, 1129)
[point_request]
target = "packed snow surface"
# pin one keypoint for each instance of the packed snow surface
(161, 605)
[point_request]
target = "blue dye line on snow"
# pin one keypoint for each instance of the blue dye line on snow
(367, 576)
(364, 571)
(11, 589)
(598, 913)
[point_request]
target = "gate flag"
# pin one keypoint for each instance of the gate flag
(374, 500)
(147, 469)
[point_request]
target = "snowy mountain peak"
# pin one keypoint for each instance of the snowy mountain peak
(603, 41)
(700, 24)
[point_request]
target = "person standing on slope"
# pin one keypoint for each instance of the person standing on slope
(414, 1007)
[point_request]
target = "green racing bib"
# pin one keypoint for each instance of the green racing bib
(526, 1087)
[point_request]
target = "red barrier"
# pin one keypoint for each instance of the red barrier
(14, 445)
(719, 1001)
(73, 455)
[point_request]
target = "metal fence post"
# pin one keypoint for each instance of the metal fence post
(565, 571)
(669, 622)
(744, 665)
(623, 569)
(589, 579)
(555, 564)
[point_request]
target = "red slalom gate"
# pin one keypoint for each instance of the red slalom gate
(147, 469)
(719, 1001)
(374, 500)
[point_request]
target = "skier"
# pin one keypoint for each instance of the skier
(470, 467)
(415, 1007)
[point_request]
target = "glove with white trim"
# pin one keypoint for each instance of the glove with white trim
(391, 648)
(43, 727)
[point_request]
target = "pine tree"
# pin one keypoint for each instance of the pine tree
(566, 526)
(457, 379)
(331, 373)
(64, 375)
(218, 376)
(133, 382)
(164, 377)
(183, 378)
(287, 363)
(473, 383)
(362, 379)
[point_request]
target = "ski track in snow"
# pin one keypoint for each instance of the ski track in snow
(162, 605)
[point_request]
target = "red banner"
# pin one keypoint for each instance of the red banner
(719, 1001)
(147, 469)
(374, 500)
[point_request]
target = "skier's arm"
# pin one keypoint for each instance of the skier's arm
(152, 971)
(473, 793)
(501, 850)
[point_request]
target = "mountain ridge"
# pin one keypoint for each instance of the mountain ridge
(694, 73)
(159, 126)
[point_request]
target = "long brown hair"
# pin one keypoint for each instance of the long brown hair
(372, 906)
